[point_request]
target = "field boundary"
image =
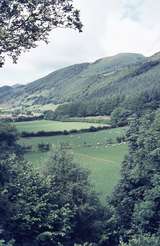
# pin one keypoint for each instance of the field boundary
(25, 134)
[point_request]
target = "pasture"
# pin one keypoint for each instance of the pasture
(49, 125)
(92, 119)
(96, 151)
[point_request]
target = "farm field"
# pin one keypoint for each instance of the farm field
(79, 140)
(92, 151)
(48, 125)
(4, 111)
(92, 119)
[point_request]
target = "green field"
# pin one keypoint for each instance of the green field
(100, 138)
(92, 119)
(92, 151)
(48, 125)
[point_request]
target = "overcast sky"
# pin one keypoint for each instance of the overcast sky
(110, 27)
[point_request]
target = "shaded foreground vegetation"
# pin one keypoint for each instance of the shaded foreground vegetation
(48, 208)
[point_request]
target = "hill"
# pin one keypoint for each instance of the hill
(122, 74)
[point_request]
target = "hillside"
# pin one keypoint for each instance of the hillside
(124, 74)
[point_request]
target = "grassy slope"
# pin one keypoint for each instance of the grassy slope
(104, 163)
(77, 81)
(124, 74)
(47, 125)
(72, 81)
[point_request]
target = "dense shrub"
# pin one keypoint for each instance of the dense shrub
(136, 199)
(119, 117)
(65, 132)
(43, 147)
(143, 240)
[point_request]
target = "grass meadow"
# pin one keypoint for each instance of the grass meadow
(96, 151)
(48, 125)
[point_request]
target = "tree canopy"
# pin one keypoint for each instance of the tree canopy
(24, 22)
(136, 199)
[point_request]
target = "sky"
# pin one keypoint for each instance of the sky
(110, 27)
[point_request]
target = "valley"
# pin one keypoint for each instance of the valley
(79, 123)
(80, 99)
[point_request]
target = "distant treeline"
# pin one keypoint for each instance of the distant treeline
(137, 104)
(21, 118)
(65, 132)
(84, 108)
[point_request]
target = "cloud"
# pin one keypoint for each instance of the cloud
(132, 9)
(133, 32)
(110, 27)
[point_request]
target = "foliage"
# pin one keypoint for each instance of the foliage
(121, 139)
(43, 147)
(143, 240)
(26, 207)
(136, 199)
(72, 183)
(10, 243)
(23, 23)
(58, 207)
(92, 107)
(119, 117)
(8, 138)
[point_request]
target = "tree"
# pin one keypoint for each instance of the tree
(119, 117)
(71, 182)
(8, 140)
(136, 199)
(55, 207)
(29, 213)
(24, 22)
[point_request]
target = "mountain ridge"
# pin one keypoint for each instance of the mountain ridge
(104, 77)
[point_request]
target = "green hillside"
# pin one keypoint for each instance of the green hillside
(123, 74)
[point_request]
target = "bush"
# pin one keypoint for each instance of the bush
(65, 132)
(43, 147)
(119, 117)
(27, 148)
(120, 139)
